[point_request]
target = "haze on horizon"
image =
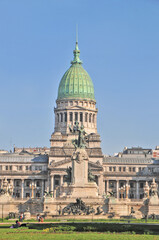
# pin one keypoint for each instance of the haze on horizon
(119, 48)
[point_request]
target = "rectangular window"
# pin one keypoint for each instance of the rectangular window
(61, 117)
(114, 169)
(86, 117)
(6, 168)
(20, 168)
(110, 169)
(70, 117)
(27, 183)
(90, 117)
(141, 185)
(129, 169)
(17, 183)
(65, 117)
(81, 117)
(27, 195)
(76, 116)
(10, 168)
(131, 185)
(124, 169)
(134, 169)
(111, 184)
(26, 168)
(119, 169)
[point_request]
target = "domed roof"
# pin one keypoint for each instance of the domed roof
(76, 82)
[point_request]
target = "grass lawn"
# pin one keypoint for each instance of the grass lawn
(27, 234)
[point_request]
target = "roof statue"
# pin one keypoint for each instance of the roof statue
(81, 141)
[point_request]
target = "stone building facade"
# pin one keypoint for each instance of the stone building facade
(34, 171)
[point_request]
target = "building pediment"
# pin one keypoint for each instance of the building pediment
(60, 164)
(68, 162)
(77, 108)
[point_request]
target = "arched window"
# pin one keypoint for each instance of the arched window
(57, 117)
(93, 118)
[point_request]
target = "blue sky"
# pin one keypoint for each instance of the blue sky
(119, 43)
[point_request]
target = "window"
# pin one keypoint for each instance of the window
(93, 118)
(30, 168)
(119, 169)
(20, 168)
(86, 117)
(81, 117)
(17, 194)
(139, 169)
(131, 185)
(70, 117)
(124, 169)
(37, 194)
(57, 182)
(27, 168)
(57, 117)
(76, 116)
(65, 117)
(134, 169)
(110, 169)
(27, 195)
(17, 184)
(129, 169)
(27, 183)
(38, 183)
(121, 184)
(10, 168)
(111, 184)
(61, 117)
(90, 117)
(6, 168)
(114, 169)
(141, 185)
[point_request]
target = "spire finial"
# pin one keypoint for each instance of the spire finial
(76, 33)
(76, 52)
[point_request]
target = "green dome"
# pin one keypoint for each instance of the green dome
(76, 82)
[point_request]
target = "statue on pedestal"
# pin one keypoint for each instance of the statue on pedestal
(81, 141)
(154, 189)
(6, 188)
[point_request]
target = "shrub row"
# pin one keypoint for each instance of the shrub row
(98, 227)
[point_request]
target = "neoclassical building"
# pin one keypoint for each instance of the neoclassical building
(31, 172)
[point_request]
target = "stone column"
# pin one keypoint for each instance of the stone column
(117, 189)
(61, 180)
(52, 184)
(100, 184)
(42, 187)
(137, 189)
(107, 186)
(22, 190)
(127, 190)
(32, 189)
